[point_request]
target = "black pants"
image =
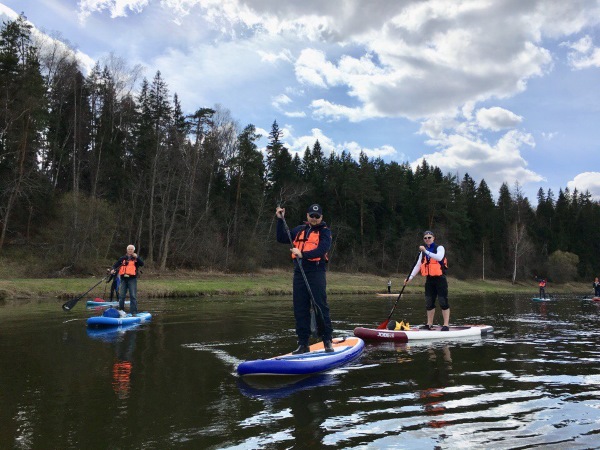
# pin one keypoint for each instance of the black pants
(318, 284)
(436, 288)
(542, 292)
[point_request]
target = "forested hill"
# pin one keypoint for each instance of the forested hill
(89, 164)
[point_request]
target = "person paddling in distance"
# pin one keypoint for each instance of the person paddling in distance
(542, 286)
(127, 268)
(311, 242)
(596, 287)
(433, 265)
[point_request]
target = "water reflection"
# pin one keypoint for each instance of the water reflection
(280, 387)
(432, 397)
(534, 384)
(123, 342)
(123, 365)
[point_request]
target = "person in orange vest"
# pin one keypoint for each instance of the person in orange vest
(596, 287)
(542, 285)
(127, 267)
(311, 242)
(433, 265)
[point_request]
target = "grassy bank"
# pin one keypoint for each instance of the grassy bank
(271, 282)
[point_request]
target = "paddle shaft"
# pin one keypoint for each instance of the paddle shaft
(385, 322)
(299, 262)
(395, 303)
(68, 305)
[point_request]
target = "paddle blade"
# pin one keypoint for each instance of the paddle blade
(313, 323)
(68, 305)
(383, 325)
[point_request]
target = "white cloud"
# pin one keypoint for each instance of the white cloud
(496, 163)
(413, 59)
(311, 68)
(496, 118)
(295, 114)
(298, 144)
(117, 8)
(5, 11)
(272, 57)
(548, 136)
(47, 43)
(86, 62)
(324, 109)
(587, 181)
(583, 54)
(281, 99)
(431, 61)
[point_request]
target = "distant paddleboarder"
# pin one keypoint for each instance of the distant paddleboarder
(127, 268)
(542, 285)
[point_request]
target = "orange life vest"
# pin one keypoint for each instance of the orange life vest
(306, 245)
(128, 268)
(433, 268)
(543, 283)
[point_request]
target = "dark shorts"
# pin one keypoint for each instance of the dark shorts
(436, 288)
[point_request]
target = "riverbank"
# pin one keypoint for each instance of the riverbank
(269, 282)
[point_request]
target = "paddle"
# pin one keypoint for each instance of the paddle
(313, 319)
(383, 325)
(68, 305)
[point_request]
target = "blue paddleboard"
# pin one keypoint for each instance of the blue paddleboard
(98, 303)
(109, 322)
(317, 360)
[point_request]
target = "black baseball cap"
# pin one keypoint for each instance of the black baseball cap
(315, 209)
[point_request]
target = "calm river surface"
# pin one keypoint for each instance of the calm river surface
(535, 383)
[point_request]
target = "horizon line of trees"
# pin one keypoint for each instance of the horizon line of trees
(89, 165)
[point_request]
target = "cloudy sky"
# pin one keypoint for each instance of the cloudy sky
(505, 90)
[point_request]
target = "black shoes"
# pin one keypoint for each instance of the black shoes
(327, 345)
(430, 327)
(301, 349)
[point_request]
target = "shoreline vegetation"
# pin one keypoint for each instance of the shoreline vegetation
(176, 284)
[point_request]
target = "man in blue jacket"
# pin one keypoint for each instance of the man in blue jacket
(310, 243)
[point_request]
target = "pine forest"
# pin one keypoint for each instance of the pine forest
(89, 164)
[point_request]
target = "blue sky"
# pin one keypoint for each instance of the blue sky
(505, 90)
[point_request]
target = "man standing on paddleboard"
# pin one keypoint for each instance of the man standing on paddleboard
(310, 243)
(127, 268)
(433, 266)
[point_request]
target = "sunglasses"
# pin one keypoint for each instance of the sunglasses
(427, 237)
(315, 216)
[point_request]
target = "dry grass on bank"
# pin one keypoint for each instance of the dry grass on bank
(178, 283)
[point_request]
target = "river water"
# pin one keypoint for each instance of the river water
(171, 383)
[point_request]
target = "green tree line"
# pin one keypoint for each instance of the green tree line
(89, 164)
